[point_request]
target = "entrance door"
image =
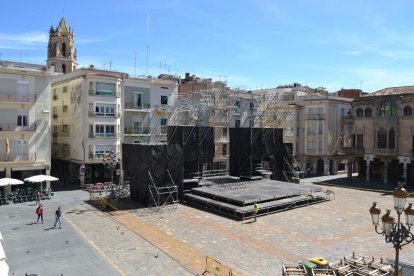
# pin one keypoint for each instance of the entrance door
(319, 167)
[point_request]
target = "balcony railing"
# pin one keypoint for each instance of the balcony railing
(17, 97)
(353, 150)
(313, 151)
(104, 93)
(135, 131)
(103, 135)
(132, 105)
(93, 113)
(18, 157)
(15, 127)
(347, 120)
(387, 152)
(316, 116)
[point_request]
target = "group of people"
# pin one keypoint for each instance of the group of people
(58, 215)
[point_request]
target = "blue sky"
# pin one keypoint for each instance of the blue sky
(250, 44)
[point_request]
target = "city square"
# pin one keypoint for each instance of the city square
(178, 239)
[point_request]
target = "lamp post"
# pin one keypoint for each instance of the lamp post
(110, 161)
(397, 233)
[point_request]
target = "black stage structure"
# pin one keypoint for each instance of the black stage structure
(173, 171)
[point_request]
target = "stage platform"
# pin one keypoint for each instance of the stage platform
(235, 198)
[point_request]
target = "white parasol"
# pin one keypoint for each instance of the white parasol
(9, 181)
(41, 178)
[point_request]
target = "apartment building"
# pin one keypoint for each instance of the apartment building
(320, 134)
(25, 119)
(147, 106)
(380, 135)
(86, 123)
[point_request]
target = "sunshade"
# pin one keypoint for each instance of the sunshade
(9, 181)
(41, 178)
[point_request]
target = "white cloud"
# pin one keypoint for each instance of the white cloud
(23, 41)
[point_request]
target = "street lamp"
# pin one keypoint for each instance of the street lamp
(110, 161)
(396, 233)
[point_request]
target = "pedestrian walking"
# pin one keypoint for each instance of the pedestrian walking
(38, 196)
(39, 212)
(58, 218)
(255, 210)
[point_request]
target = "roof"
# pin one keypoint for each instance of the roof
(392, 91)
(62, 27)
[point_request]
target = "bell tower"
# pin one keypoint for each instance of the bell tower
(61, 51)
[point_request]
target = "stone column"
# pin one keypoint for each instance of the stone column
(405, 160)
(349, 165)
(367, 176)
(326, 166)
(385, 171)
(405, 173)
(7, 189)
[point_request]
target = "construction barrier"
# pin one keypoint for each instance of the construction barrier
(216, 268)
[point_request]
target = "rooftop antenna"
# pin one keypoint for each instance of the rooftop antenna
(148, 22)
(110, 65)
(135, 72)
(20, 54)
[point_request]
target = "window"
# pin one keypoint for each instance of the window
(224, 150)
(163, 123)
(65, 128)
(65, 108)
(342, 112)
(224, 132)
(391, 138)
(251, 123)
(251, 106)
(21, 120)
(105, 110)
(237, 103)
(359, 141)
(387, 109)
(63, 49)
(368, 112)
(408, 111)
(382, 138)
(137, 100)
(105, 89)
(66, 147)
(65, 89)
(105, 130)
(237, 123)
(100, 150)
(164, 100)
(360, 112)
(55, 129)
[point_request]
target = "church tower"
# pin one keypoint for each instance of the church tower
(61, 51)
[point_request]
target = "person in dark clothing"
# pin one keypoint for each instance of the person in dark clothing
(39, 212)
(58, 217)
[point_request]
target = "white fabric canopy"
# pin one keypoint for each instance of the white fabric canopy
(2, 254)
(1, 237)
(41, 178)
(9, 181)
(4, 268)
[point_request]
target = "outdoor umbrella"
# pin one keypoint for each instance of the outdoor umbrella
(2, 254)
(41, 178)
(4, 268)
(9, 181)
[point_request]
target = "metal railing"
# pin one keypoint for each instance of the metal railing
(94, 92)
(15, 127)
(132, 105)
(135, 131)
(103, 135)
(18, 157)
(17, 97)
(93, 113)
(354, 150)
(387, 152)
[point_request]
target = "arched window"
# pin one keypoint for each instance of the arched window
(368, 112)
(63, 49)
(360, 112)
(387, 109)
(63, 68)
(391, 139)
(408, 111)
(382, 138)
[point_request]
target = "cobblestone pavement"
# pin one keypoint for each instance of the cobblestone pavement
(177, 241)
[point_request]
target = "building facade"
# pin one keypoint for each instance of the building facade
(25, 119)
(380, 135)
(86, 123)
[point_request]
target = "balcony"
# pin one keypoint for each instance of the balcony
(103, 135)
(54, 134)
(18, 157)
(55, 116)
(137, 131)
(315, 116)
(105, 93)
(347, 120)
(354, 150)
(15, 127)
(92, 113)
(17, 97)
(55, 97)
(314, 152)
(134, 106)
(385, 152)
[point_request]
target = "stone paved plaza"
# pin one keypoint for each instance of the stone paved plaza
(176, 241)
